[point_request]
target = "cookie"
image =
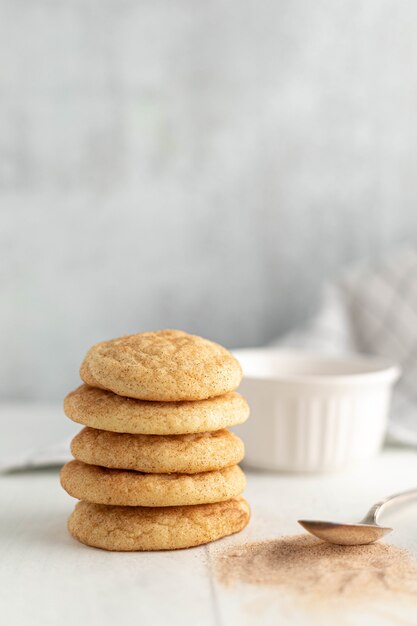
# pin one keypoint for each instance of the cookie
(107, 411)
(126, 488)
(184, 454)
(164, 366)
(124, 528)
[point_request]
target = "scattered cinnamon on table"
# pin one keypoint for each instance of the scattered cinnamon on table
(314, 570)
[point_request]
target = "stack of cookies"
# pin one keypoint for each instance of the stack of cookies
(154, 467)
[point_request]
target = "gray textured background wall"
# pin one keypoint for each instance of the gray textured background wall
(198, 165)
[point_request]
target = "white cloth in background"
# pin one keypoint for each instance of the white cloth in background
(47, 456)
(34, 435)
(373, 310)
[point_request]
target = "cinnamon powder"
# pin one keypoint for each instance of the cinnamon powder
(315, 570)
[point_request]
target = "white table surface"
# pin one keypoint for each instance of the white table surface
(47, 578)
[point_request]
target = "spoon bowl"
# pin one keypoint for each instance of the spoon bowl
(345, 534)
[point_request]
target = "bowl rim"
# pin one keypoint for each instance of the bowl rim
(381, 369)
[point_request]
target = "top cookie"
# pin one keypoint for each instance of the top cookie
(165, 366)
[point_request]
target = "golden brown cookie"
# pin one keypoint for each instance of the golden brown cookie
(158, 454)
(127, 488)
(107, 411)
(169, 528)
(166, 366)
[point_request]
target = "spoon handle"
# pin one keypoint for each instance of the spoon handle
(375, 510)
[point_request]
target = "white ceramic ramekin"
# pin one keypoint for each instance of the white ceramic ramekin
(312, 413)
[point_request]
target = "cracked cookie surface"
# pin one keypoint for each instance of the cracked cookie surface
(140, 528)
(105, 410)
(185, 454)
(128, 488)
(164, 366)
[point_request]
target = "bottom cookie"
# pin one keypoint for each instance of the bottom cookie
(126, 528)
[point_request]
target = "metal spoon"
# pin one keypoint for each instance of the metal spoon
(365, 531)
